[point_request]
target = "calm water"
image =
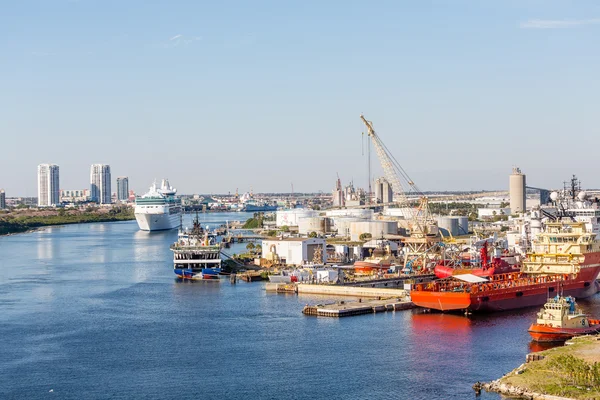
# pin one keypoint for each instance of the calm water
(93, 311)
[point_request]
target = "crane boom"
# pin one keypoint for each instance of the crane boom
(421, 221)
(387, 163)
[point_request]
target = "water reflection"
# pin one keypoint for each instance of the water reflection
(537, 346)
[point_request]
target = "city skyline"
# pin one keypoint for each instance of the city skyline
(460, 93)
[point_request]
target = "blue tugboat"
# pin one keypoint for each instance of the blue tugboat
(196, 254)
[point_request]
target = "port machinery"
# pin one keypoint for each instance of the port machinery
(425, 243)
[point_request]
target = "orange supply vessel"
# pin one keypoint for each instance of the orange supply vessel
(565, 258)
(561, 319)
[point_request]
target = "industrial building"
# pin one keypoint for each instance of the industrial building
(100, 184)
(295, 251)
(48, 185)
(490, 212)
(517, 191)
(383, 191)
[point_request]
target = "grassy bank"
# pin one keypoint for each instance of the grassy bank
(22, 221)
(571, 371)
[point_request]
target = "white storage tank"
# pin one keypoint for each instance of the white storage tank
(343, 224)
(351, 212)
(314, 224)
(405, 212)
(375, 228)
(290, 217)
(463, 225)
(448, 224)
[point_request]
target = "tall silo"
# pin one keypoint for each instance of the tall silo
(379, 184)
(517, 191)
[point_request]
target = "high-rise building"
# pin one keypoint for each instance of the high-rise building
(48, 185)
(122, 188)
(2, 199)
(100, 184)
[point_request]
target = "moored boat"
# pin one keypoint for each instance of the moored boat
(565, 258)
(196, 254)
(560, 320)
(380, 260)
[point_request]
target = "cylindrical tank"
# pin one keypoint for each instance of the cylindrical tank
(517, 191)
(463, 225)
(449, 224)
(352, 212)
(290, 217)
(375, 228)
(343, 225)
(313, 224)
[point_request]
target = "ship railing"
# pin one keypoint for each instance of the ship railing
(495, 283)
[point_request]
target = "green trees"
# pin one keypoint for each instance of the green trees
(365, 236)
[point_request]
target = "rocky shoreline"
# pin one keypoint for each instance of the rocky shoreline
(570, 372)
(505, 389)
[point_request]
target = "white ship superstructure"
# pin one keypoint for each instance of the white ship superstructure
(158, 209)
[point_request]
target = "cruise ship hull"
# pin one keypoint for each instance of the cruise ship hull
(157, 222)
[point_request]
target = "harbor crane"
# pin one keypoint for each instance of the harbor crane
(421, 221)
(424, 244)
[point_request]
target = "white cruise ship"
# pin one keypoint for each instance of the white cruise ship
(158, 209)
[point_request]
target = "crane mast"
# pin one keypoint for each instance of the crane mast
(421, 220)
(386, 163)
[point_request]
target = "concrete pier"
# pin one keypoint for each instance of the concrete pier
(336, 290)
(348, 309)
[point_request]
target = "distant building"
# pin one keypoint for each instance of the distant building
(383, 191)
(2, 199)
(75, 196)
(131, 196)
(48, 185)
(122, 188)
(517, 191)
(100, 184)
(295, 251)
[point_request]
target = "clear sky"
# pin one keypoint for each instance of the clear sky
(219, 95)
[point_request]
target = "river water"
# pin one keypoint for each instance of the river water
(93, 311)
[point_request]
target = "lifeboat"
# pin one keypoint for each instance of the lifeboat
(560, 320)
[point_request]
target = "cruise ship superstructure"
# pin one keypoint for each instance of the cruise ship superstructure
(158, 209)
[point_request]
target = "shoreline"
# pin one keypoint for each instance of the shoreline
(15, 223)
(566, 372)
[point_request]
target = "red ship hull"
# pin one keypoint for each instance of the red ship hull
(547, 334)
(509, 292)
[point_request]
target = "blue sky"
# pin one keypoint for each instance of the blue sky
(224, 95)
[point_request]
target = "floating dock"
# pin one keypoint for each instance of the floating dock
(348, 309)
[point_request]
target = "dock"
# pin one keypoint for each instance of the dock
(348, 309)
(337, 290)
(251, 276)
